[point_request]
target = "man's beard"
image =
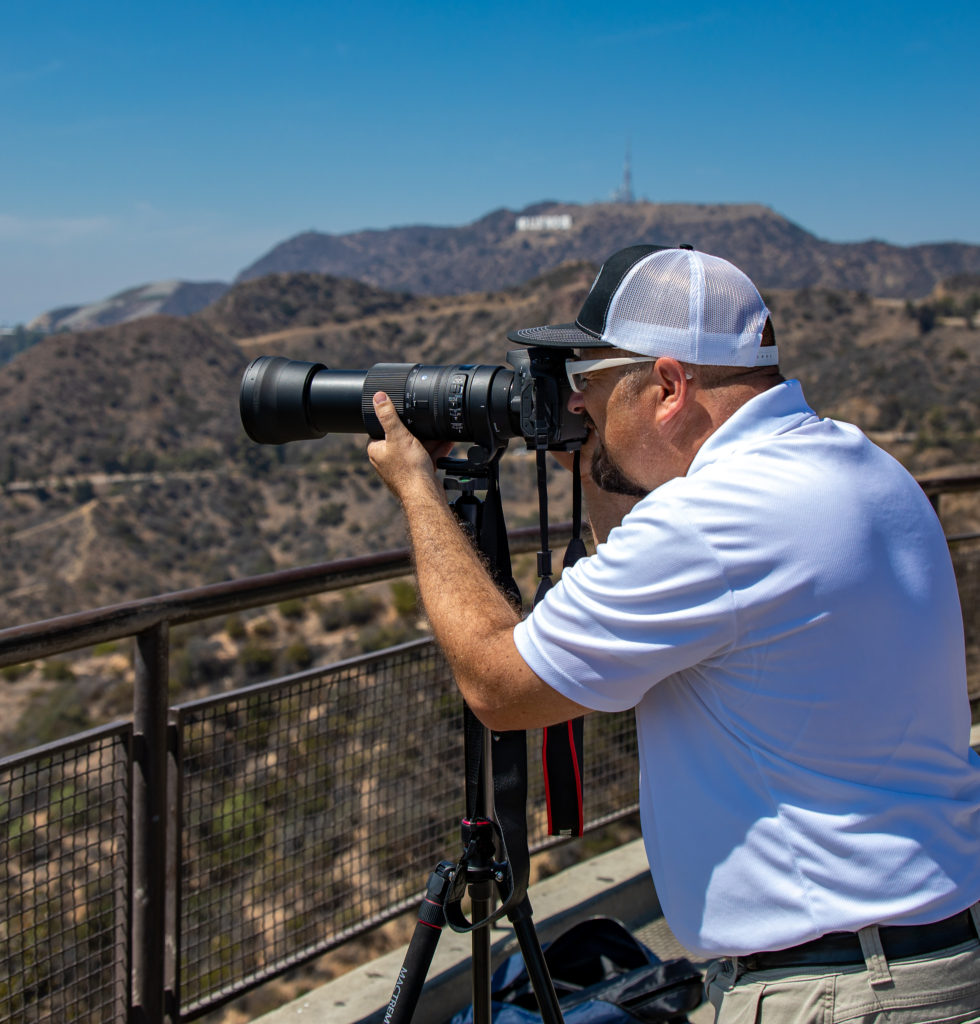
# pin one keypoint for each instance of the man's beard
(609, 477)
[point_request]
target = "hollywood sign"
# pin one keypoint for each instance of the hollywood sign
(551, 222)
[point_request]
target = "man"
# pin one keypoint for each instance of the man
(774, 596)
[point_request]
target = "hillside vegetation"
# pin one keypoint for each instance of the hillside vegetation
(125, 468)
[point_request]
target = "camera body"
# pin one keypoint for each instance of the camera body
(285, 400)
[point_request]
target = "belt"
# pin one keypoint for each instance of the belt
(897, 942)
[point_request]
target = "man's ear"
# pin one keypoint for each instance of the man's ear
(676, 387)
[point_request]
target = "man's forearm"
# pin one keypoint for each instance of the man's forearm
(464, 606)
(472, 620)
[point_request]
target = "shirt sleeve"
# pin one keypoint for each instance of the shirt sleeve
(654, 600)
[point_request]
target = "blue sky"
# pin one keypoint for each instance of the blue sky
(147, 141)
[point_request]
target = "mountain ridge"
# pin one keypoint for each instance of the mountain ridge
(170, 298)
(494, 253)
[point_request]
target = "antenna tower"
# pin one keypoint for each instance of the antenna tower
(627, 178)
(624, 194)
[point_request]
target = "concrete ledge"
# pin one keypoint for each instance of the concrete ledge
(615, 884)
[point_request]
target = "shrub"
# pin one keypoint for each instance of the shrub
(299, 655)
(235, 627)
(355, 608)
(406, 598)
(360, 607)
(264, 629)
(57, 671)
(377, 638)
(256, 659)
(294, 608)
(331, 514)
(83, 492)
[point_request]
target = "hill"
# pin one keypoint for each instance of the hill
(138, 396)
(494, 252)
(126, 471)
(297, 300)
(172, 298)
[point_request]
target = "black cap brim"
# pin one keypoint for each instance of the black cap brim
(557, 336)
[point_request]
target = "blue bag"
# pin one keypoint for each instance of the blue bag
(602, 975)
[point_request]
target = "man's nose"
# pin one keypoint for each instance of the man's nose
(576, 403)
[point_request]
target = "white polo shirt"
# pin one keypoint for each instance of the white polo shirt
(785, 621)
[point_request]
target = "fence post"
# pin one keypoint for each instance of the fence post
(150, 710)
(934, 500)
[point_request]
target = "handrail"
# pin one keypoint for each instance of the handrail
(148, 621)
(49, 637)
(952, 483)
(53, 636)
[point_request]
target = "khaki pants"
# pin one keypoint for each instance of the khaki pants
(936, 988)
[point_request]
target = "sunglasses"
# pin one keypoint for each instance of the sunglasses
(577, 369)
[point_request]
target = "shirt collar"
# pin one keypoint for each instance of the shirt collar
(774, 411)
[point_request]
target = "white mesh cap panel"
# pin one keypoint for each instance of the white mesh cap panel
(689, 305)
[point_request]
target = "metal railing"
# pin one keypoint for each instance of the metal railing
(152, 869)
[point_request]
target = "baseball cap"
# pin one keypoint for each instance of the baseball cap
(660, 301)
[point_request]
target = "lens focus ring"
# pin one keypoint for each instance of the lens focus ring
(389, 378)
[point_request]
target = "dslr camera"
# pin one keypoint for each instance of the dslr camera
(285, 400)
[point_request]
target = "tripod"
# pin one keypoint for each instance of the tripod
(496, 796)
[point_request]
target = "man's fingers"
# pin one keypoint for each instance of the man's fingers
(384, 409)
(389, 419)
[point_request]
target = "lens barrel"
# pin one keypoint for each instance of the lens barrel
(286, 400)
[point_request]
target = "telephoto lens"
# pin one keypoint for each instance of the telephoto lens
(284, 400)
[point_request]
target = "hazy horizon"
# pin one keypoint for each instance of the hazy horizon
(148, 144)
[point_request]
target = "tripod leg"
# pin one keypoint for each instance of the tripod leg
(481, 892)
(537, 968)
(421, 949)
(481, 902)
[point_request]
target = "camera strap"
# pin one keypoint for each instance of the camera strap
(495, 839)
(562, 744)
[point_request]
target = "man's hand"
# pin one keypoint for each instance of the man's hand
(403, 461)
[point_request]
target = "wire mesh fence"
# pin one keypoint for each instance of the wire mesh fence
(966, 563)
(307, 810)
(64, 881)
(317, 806)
